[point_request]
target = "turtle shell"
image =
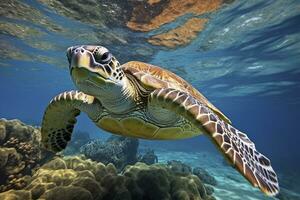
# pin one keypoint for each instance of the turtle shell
(152, 77)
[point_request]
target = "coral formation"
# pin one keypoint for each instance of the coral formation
(182, 168)
(20, 153)
(120, 151)
(159, 182)
(179, 167)
(78, 140)
(204, 176)
(25, 173)
(28, 151)
(80, 178)
(19, 130)
(148, 158)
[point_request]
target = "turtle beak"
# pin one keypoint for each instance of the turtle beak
(79, 57)
(83, 60)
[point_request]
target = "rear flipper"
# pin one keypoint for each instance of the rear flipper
(60, 117)
(233, 144)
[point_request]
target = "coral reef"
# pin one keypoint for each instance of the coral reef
(19, 130)
(120, 151)
(29, 152)
(78, 140)
(159, 182)
(204, 176)
(148, 158)
(26, 172)
(20, 153)
(65, 179)
(182, 168)
(80, 178)
(179, 167)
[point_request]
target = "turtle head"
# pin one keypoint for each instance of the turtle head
(94, 69)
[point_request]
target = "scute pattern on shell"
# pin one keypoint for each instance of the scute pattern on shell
(154, 77)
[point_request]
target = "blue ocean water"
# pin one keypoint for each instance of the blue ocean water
(245, 61)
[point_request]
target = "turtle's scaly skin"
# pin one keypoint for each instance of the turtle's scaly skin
(145, 101)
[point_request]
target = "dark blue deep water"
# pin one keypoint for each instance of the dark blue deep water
(246, 60)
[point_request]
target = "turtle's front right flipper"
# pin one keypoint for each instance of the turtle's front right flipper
(233, 144)
(60, 117)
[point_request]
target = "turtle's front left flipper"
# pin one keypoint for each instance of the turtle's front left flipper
(60, 117)
(234, 145)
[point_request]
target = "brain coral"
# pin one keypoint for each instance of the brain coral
(120, 151)
(80, 178)
(20, 153)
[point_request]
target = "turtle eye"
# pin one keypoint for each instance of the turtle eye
(104, 58)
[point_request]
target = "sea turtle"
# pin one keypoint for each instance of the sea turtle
(141, 100)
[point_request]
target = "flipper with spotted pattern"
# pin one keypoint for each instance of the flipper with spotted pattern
(60, 117)
(233, 144)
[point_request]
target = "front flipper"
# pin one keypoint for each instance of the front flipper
(234, 145)
(60, 117)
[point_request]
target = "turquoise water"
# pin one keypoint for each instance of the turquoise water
(245, 61)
